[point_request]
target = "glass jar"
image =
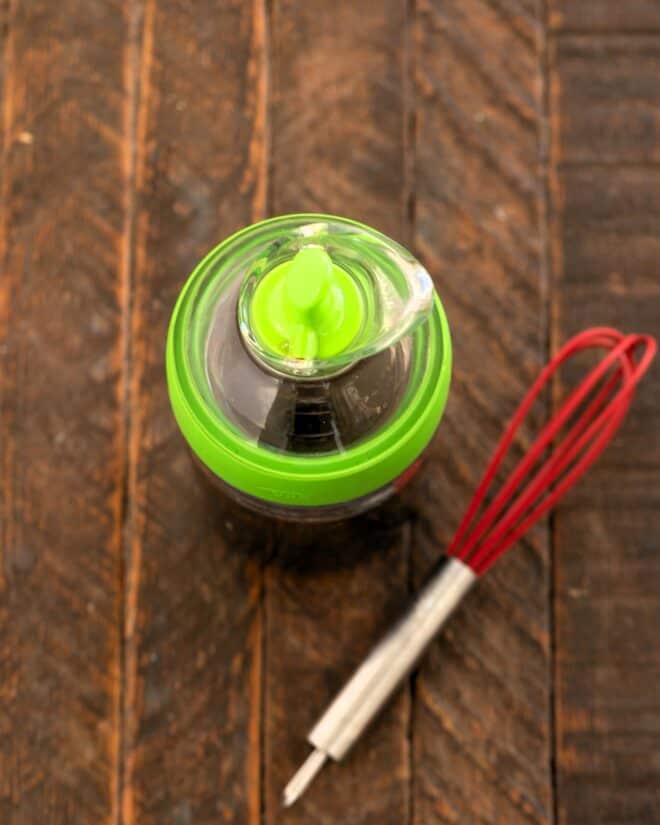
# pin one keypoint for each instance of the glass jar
(308, 366)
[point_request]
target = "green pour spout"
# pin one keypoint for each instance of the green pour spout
(307, 308)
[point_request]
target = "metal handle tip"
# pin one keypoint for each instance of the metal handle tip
(302, 779)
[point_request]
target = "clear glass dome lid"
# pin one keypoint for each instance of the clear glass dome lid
(326, 294)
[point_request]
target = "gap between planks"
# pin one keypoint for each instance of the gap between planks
(136, 76)
(550, 252)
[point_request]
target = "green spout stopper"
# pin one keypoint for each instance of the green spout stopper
(307, 308)
(307, 279)
(305, 287)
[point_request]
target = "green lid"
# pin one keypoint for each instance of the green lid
(321, 290)
(307, 307)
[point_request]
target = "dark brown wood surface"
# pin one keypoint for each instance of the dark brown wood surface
(606, 192)
(62, 304)
(162, 658)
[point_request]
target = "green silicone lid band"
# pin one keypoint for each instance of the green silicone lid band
(308, 480)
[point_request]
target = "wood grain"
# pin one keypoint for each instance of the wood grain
(607, 576)
(60, 418)
(192, 703)
(338, 146)
(605, 15)
(338, 110)
(611, 115)
(481, 726)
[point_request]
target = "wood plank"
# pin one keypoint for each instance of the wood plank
(481, 724)
(338, 110)
(607, 579)
(61, 436)
(193, 622)
(612, 114)
(607, 575)
(339, 147)
(610, 222)
(605, 15)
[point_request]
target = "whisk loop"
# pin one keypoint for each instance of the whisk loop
(480, 541)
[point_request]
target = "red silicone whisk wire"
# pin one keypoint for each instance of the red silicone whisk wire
(592, 413)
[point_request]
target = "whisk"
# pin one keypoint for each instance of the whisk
(565, 448)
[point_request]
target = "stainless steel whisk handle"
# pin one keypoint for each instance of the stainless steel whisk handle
(391, 660)
(372, 684)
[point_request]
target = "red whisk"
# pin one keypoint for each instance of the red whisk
(566, 447)
(601, 402)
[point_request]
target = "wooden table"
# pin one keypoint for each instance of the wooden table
(153, 667)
